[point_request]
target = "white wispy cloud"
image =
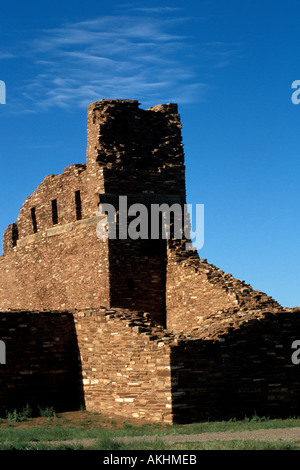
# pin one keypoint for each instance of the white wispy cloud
(143, 55)
(162, 9)
(6, 55)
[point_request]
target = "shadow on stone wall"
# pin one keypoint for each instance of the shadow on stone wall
(42, 362)
(249, 372)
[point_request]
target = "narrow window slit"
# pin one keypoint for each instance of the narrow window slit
(131, 285)
(78, 205)
(14, 234)
(54, 212)
(33, 219)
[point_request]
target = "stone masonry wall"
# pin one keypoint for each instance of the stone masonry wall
(125, 361)
(140, 154)
(52, 257)
(195, 290)
(64, 268)
(112, 361)
(139, 151)
(121, 363)
(116, 362)
(226, 349)
(241, 371)
(190, 297)
(42, 367)
(59, 200)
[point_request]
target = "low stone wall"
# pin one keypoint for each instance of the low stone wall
(112, 361)
(125, 361)
(121, 363)
(197, 290)
(42, 367)
(190, 296)
(244, 372)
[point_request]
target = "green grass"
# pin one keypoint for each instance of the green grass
(47, 412)
(213, 445)
(246, 424)
(14, 436)
(16, 416)
(108, 444)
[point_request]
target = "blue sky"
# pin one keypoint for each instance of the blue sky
(229, 66)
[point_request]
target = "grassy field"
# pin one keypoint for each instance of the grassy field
(19, 431)
(156, 445)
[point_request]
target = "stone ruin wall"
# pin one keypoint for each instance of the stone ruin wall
(217, 350)
(120, 363)
(238, 371)
(139, 151)
(49, 260)
(125, 360)
(53, 273)
(116, 362)
(53, 258)
(151, 374)
(197, 289)
(41, 361)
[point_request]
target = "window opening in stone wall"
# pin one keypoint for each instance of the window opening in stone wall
(154, 247)
(130, 284)
(14, 234)
(33, 219)
(54, 212)
(78, 205)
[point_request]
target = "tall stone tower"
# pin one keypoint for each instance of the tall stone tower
(60, 261)
(78, 310)
(139, 154)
